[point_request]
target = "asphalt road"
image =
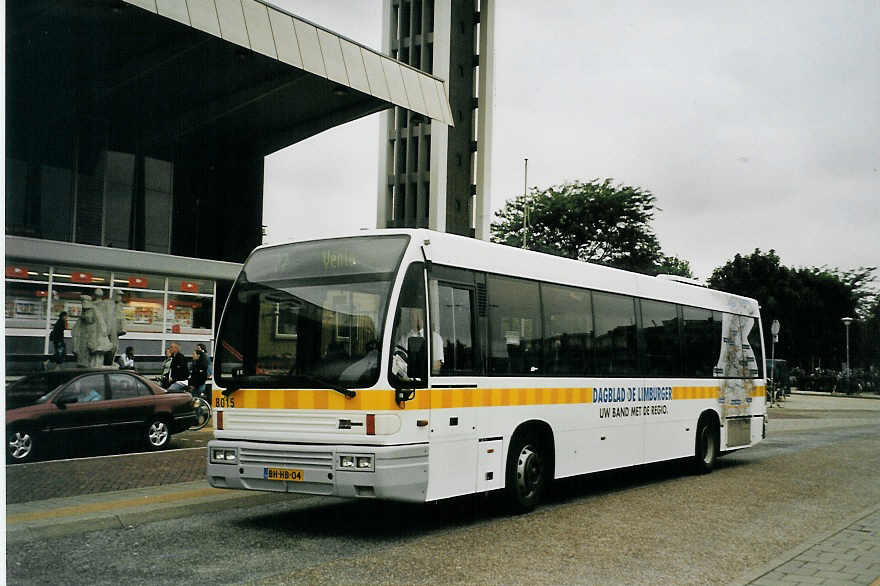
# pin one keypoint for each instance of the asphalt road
(651, 524)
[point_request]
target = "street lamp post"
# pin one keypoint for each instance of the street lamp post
(774, 329)
(846, 322)
(525, 202)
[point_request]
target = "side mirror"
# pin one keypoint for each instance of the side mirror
(64, 401)
(417, 359)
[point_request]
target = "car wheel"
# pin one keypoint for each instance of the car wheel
(706, 447)
(526, 473)
(20, 445)
(158, 434)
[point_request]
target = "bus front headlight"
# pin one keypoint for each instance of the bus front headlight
(355, 462)
(223, 456)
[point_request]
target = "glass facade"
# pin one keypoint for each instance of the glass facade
(156, 310)
(115, 199)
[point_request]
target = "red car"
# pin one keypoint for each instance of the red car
(94, 408)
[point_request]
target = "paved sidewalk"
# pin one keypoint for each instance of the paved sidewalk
(848, 554)
(124, 508)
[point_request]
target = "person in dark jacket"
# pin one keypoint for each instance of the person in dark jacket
(57, 338)
(179, 372)
(199, 373)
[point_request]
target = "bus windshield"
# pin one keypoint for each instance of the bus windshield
(309, 313)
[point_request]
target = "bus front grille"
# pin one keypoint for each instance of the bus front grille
(285, 458)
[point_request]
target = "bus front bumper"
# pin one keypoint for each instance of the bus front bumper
(394, 472)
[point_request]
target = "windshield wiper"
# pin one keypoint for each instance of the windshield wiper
(325, 383)
(308, 378)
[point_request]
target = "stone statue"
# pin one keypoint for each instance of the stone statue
(110, 310)
(90, 339)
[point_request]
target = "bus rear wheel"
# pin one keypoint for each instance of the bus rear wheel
(706, 447)
(526, 477)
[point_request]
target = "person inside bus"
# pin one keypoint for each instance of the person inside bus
(366, 365)
(417, 330)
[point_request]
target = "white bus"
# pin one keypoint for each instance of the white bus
(413, 365)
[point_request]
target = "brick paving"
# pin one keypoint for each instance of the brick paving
(848, 555)
(64, 478)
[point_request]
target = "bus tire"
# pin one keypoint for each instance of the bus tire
(705, 446)
(526, 475)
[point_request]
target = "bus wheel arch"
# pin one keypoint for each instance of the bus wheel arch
(530, 465)
(707, 442)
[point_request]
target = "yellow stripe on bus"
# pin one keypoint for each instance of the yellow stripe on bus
(383, 399)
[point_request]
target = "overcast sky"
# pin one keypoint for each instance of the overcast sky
(756, 124)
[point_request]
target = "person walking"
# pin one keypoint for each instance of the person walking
(57, 338)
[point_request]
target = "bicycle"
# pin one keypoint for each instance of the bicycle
(203, 412)
(201, 406)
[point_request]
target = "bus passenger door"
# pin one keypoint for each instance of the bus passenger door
(453, 460)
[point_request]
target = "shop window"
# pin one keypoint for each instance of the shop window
(142, 311)
(188, 314)
(615, 334)
(26, 305)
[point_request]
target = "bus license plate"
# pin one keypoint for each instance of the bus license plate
(290, 474)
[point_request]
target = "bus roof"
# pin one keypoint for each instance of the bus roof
(470, 253)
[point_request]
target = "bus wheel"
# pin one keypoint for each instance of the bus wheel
(706, 448)
(526, 473)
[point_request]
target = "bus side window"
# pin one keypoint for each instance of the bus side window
(514, 326)
(453, 319)
(568, 330)
(754, 351)
(615, 334)
(659, 340)
(409, 320)
(702, 341)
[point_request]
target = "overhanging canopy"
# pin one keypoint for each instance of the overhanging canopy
(192, 71)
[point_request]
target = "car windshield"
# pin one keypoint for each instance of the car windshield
(309, 313)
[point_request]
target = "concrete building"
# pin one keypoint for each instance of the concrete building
(433, 175)
(136, 132)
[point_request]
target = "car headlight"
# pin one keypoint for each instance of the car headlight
(364, 462)
(346, 461)
(224, 455)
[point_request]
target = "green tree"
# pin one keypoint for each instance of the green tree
(808, 302)
(593, 221)
(672, 265)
